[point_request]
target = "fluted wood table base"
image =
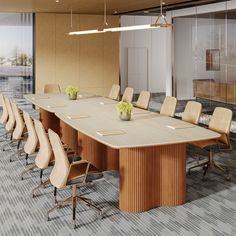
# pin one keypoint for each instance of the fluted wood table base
(69, 136)
(100, 155)
(49, 120)
(152, 177)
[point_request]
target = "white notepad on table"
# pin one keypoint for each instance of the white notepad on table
(110, 132)
(180, 126)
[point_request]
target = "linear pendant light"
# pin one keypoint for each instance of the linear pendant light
(156, 25)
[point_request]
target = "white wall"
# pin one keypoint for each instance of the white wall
(155, 41)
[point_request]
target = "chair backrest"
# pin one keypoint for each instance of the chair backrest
(4, 116)
(60, 171)
(44, 154)
(52, 88)
(11, 118)
(20, 125)
(192, 112)
(128, 95)
(221, 123)
(32, 140)
(143, 99)
(168, 107)
(115, 92)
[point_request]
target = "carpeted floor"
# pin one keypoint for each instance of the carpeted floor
(210, 207)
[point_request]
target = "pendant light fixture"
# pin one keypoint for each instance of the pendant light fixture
(160, 22)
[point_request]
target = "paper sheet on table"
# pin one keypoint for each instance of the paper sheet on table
(110, 132)
(56, 105)
(77, 116)
(180, 126)
(107, 103)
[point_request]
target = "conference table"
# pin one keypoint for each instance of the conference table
(149, 151)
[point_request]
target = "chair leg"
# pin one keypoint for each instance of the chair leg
(41, 176)
(222, 168)
(26, 158)
(27, 170)
(60, 204)
(74, 203)
(5, 144)
(42, 185)
(55, 195)
(17, 152)
(18, 144)
(198, 165)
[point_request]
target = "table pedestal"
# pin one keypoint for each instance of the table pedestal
(69, 136)
(101, 156)
(152, 177)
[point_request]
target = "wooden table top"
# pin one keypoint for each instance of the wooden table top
(97, 117)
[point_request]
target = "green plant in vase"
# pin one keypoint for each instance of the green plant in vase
(124, 109)
(72, 91)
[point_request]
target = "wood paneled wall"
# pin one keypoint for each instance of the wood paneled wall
(90, 62)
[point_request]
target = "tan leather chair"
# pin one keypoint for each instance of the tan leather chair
(220, 122)
(44, 157)
(19, 131)
(52, 88)
(4, 117)
(115, 92)
(192, 112)
(143, 100)
(128, 95)
(168, 107)
(75, 174)
(10, 124)
(32, 140)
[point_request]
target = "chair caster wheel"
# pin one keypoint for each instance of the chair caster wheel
(48, 218)
(228, 178)
(21, 178)
(33, 196)
(10, 160)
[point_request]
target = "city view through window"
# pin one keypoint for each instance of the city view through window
(16, 54)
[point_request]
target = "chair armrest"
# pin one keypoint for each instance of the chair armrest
(77, 163)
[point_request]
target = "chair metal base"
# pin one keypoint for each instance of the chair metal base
(74, 200)
(211, 164)
(27, 170)
(41, 185)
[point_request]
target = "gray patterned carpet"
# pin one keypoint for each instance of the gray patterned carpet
(210, 207)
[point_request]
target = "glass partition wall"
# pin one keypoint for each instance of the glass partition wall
(16, 54)
(205, 59)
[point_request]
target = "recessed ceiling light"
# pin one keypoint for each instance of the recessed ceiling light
(146, 12)
(57, 1)
(115, 12)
